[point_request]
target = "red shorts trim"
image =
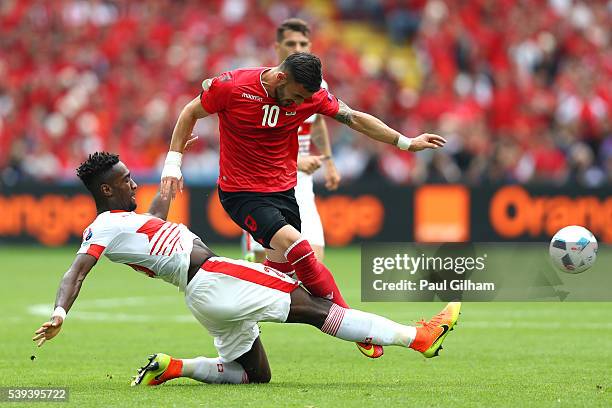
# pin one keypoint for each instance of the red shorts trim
(249, 274)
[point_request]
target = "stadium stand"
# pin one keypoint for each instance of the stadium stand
(522, 96)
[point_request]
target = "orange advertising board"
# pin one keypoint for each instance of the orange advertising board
(514, 212)
(52, 219)
(442, 213)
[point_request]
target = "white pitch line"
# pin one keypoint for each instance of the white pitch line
(481, 324)
(125, 301)
(44, 309)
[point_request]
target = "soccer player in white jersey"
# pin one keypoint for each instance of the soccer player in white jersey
(228, 297)
(293, 35)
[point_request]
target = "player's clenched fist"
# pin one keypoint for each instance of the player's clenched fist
(426, 141)
(309, 164)
(48, 330)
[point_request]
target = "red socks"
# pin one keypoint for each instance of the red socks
(284, 267)
(313, 274)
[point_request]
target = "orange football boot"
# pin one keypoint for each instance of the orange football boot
(431, 334)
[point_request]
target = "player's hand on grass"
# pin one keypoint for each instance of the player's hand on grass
(332, 177)
(426, 141)
(48, 330)
(309, 164)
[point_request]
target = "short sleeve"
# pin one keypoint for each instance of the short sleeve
(216, 92)
(328, 103)
(96, 238)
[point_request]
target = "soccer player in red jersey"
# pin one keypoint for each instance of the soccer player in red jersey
(293, 35)
(228, 297)
(260, 111)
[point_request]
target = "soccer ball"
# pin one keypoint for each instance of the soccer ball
(573, 249)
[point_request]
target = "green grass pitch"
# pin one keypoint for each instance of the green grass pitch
(502, 354)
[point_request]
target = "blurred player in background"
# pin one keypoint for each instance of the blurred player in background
(292, 36)
(228, 297)
(260, 111)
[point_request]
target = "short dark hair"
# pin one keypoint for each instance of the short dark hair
(94, 170)
(305, 69)
(292, 24)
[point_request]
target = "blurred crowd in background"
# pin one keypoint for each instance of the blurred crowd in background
(521, 88)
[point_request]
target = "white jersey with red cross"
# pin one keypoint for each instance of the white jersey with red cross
(157, 248)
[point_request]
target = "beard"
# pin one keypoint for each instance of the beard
(279, 93)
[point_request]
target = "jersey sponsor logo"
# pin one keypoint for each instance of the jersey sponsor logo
(87, 234)
(252, 97)
(290, 113)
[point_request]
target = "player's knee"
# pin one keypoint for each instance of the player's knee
(308, 309)
(284, 237)
(266, 377)
(261, 376)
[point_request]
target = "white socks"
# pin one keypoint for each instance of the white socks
(355, 325)
(213, 371)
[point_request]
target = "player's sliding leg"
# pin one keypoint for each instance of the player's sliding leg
(255, 363)
(355, 325)
(251, 367)
(313, 274)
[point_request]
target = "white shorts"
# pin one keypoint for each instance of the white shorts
(229, 297)
(312, 229)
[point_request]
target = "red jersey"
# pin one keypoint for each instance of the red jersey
(258, 138)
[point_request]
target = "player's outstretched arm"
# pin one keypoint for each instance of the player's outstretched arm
(376, 129)
(66, 295)
(160, 206)
(171, 178)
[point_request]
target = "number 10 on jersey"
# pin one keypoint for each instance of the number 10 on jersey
(270, 116)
